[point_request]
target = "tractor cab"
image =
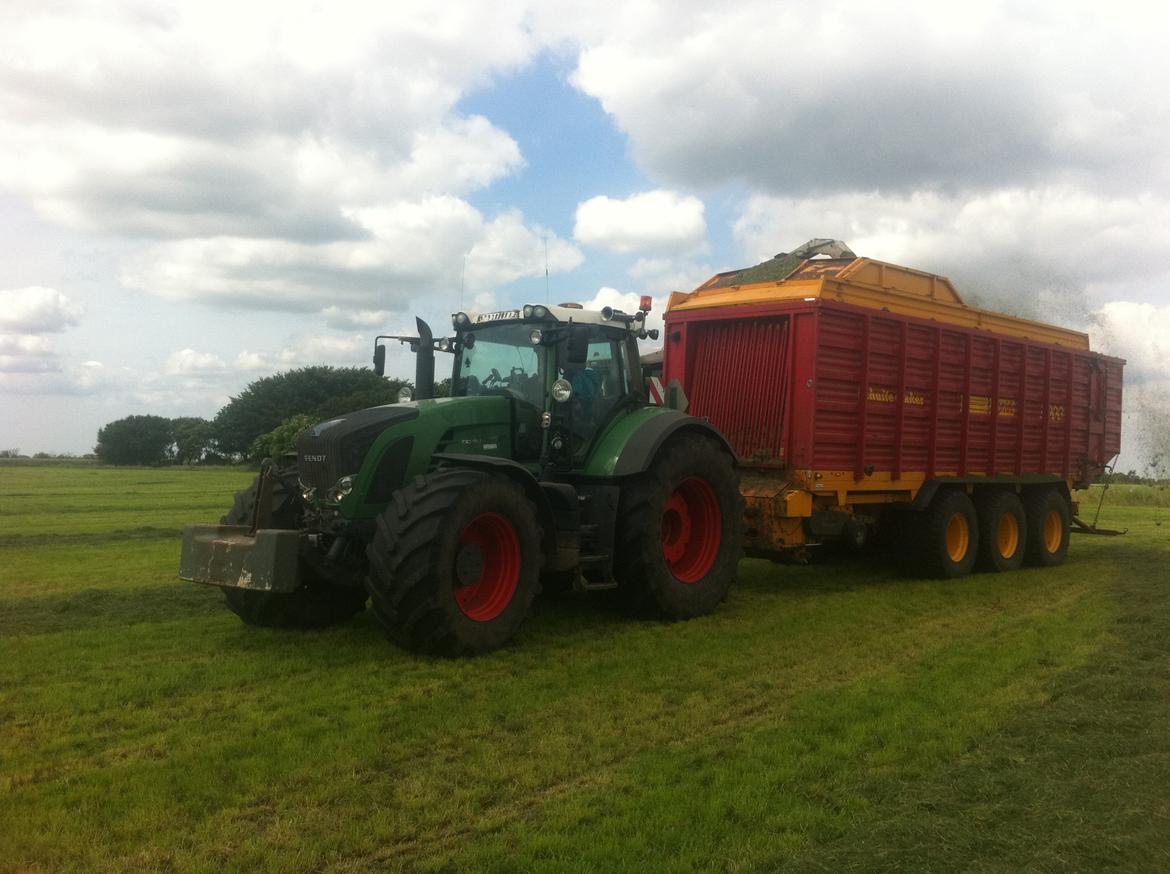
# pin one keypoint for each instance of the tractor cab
(567, 372)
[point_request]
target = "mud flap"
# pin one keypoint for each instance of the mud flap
(232, 556)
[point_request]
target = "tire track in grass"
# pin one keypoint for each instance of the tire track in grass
(804, 725)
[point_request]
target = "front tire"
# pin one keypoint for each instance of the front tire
(680, 527)
(455, 563)
(318, 603)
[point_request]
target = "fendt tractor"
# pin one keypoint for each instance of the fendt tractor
(815, 398)
(446, 513)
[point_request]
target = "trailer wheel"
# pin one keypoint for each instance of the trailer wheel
(945, 538)
(1049, 518)
(679, 531)
(1003, 532)
(318, 602)
(455, 563)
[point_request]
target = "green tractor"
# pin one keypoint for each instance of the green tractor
(547, 463)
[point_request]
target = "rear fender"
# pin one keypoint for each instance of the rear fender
(644, 443)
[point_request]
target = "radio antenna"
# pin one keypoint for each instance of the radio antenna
(546, 295)
(462, 282)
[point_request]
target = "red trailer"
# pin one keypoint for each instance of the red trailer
(855, 392)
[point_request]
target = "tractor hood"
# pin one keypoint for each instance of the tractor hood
(377, 449)
(336, 448)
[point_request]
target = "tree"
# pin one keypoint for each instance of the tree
(134, 440)
(194, 438)
(281, 439)
(320, 392)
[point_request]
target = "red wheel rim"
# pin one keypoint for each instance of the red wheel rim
(692, 529)
(488, 596)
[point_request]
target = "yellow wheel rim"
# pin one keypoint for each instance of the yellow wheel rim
(958, 537)
(1053, 530)
(1007, 535)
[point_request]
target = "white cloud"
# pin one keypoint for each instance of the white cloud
(57, 378)
(247, 120)
(188, 362)
(653, 221)
(36, 310)
(343, 319)
(306, 350)
(851, 95)
(24, 353)
(275, 154)
(1046, 253)
(411, 248)
(628, 302)
(659, 275)
(1137, 332)
(508, 249)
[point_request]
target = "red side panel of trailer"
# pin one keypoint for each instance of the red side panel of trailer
(824, 385)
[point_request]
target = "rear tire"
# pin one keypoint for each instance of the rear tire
(1049, 520)
(944, 539)
(1003, 532)
(455, 563)
(679, 530)
(318, 603)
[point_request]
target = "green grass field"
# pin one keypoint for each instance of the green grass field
(833, 717)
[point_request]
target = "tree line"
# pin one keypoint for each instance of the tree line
(263, 420)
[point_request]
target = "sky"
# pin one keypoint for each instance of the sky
(193, 196)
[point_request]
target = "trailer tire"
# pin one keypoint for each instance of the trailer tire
(318, 603)
(1003, 532)
(1049, 520)
(679, 530)
(455, 563)
(944, 539)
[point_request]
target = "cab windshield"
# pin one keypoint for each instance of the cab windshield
(502, 361)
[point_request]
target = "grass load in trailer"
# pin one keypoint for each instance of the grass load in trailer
(861, 398)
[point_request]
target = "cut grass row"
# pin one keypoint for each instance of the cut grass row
(831, 717)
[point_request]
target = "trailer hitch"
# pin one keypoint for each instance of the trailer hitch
(1080, 526)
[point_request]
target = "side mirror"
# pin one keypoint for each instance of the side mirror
(380, 359)
(578, 346)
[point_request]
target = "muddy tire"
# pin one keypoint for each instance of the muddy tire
(943, 541)
(318, 603)
(679, 530)
(1003, 532)
(455, 563)
(1049, 520)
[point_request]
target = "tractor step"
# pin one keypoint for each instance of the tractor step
(584, 585)
(599, 565)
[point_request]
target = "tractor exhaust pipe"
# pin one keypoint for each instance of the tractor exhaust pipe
(424, 362)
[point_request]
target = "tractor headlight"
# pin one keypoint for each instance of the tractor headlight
(445, 345)
(342, 488)
(539, 312)
(405, 394)
(460, 320)
(561, 391)
(536, 336)
(527, 311)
